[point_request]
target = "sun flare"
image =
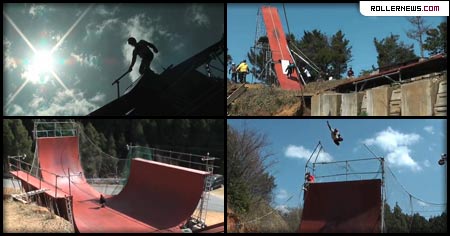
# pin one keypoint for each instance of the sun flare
(41, 67)
(43, 61)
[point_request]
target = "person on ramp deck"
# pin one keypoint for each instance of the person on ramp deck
(335, 135)
(142, 48)
(309, 179)
(102, 200)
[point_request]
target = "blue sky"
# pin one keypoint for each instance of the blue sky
(328, 18)
(411, 149)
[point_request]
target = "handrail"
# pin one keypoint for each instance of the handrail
(363, 159)
(19, 162)
(167, 154)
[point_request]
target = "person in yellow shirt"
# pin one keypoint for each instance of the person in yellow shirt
(242, 70)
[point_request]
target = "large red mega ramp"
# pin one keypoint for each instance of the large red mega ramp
(278, 46)
(344, 207)
(157, 198)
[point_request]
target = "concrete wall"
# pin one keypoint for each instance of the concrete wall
(425, 97)
(327, 104)
(315, 105)
(395, 103)
(351, 103)
(418, 98)
(440, 107)
(330, 104)
(378, 100)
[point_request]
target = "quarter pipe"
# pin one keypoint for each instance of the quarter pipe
(352, 206)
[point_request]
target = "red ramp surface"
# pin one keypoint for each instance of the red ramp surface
(278, 46)
(157, 198)
(353, 206)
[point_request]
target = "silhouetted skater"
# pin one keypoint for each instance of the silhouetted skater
(142, 48)
(102, 200)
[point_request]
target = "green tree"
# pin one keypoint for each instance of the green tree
(436, 41)
(315, 45)
(109, 164)
(419, 224)
(247, 165)
(90, 158)
(390, 51)
(418, 32)
(16, 141)
(137, 133)
(342, 54)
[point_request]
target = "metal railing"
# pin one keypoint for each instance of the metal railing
(18, 167)
(54, 129)
(190, 160)
(347, 168)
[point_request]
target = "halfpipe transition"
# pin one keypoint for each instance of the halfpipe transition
(157, 198)
(344, 207)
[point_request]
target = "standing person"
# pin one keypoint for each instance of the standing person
(233, 72)
(308, 75)
(102, 200)
(309, 178)
(242, 70)
(350, 73)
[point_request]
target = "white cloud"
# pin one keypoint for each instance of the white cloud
(99, 97)
(178, 46)
(282, 208)
(196, 14)
(102, 11)
(14, 110)
(426, 163)
(304, 153)
(36, 102)
(93, 29)
(429, 129)
(36, 9)
(396, 144)
(86, 60)
(282, 194)
(423, 204)
(8, 61)
(68, 103)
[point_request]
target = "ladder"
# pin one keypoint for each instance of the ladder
(69, 209)
(21, 196)
(206, 190)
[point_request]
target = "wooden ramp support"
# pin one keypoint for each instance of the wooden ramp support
(235, 94)
(21, 196)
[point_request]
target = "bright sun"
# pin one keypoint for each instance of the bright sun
(43, 61)
(40, 67)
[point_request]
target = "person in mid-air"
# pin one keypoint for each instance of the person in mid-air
(142, 48)
(335, 135)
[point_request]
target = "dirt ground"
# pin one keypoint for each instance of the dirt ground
(30, 218)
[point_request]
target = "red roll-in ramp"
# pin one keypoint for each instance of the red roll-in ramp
(278, 46)
(157, 198)
(344, 207)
